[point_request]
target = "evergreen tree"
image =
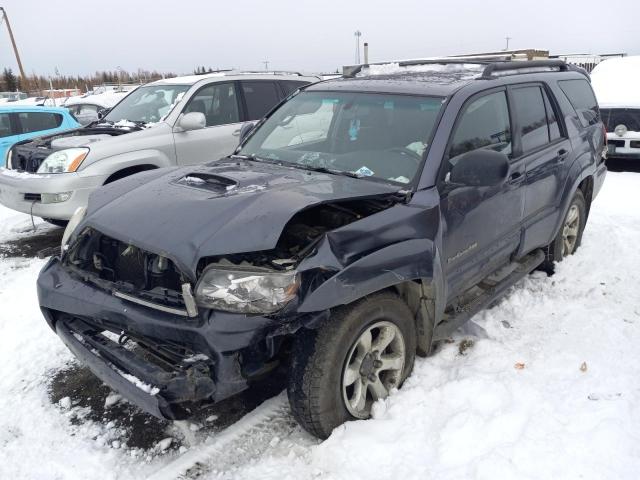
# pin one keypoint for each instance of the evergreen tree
(10, 80)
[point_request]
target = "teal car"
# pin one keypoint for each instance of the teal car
(22, 122)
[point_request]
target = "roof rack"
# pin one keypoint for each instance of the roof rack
(353, 70)
(270, 72)
(492, 65)
(530, 66)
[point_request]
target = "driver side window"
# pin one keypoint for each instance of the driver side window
(484, 123)
(218, 103)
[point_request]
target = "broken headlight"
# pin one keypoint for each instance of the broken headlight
(246, 290)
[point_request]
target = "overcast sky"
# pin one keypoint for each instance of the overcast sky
(82, 36)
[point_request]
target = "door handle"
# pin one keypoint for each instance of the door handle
(516, 177)
(236, 133)
(562, 154)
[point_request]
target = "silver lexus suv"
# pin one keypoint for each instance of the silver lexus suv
(175, 121)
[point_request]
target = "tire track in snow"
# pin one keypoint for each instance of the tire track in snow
(255, 431)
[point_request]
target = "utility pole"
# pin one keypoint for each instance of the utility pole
(15, 48)
(266, 65)
(507, 39)
(357, 34)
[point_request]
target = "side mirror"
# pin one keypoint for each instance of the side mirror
(192, 121)
(246, 129)
(480, 168)
(103, 113)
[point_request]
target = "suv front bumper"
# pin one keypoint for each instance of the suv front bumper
(22, 191)
(211, 346)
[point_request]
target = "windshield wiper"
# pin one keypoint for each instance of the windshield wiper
(327, 170)
(255, 158)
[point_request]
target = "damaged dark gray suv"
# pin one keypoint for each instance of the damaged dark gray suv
(362, 220)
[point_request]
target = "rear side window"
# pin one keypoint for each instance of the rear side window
(583, 100)
(532, 117)
(260, 97)
(37, 121)
(483, 124)
(5, 126)
(290, 86)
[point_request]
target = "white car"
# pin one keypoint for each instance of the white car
(175, 121)
(86, 108)
(616, 83)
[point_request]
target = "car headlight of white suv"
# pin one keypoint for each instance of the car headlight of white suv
(64, 161)
(251, 290)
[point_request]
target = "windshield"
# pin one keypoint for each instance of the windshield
(375, 135)
(147, 104)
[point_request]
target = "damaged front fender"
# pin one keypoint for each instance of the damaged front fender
(389, 266)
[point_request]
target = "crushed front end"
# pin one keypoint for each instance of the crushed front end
(128, 315)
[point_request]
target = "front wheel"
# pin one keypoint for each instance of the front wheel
(570, 235)
(339, 370)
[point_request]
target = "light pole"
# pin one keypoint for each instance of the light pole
(15, 48)
(357, 34)
(507, 39)
(266, 65)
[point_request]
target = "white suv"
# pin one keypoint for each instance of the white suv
(175, 121)
(616, 83)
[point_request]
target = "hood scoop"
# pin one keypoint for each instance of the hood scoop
(205, 181)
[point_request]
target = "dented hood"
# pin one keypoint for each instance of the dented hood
(227, 207)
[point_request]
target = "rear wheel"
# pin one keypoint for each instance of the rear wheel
(339, 370)
(570, 235)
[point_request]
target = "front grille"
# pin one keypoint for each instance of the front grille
(27, 159)
(635, 144)
(629, 117)
(127, 269)
(617, 143)
(164, 353)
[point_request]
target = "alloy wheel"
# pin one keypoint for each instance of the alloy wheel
(570, 230)
(373, 367)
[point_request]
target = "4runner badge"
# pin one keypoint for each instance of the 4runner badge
(462, 252)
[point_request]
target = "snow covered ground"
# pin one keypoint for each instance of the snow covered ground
(544, 385)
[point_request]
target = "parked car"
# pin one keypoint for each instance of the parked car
(364, 219)
(21, 122)
(616, 83)
(175, 121)
(88, 108)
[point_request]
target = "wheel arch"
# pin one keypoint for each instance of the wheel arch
(127, 171)
(411, 269)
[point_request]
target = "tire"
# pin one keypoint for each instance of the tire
(566, 244)
(325, 359)
(57, 223)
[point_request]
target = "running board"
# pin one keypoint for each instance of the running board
(490, 291)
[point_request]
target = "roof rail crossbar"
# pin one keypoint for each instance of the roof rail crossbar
(522, 65)
(269, 72)
(353, 70)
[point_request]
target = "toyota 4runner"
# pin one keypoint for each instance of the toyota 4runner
(364, 219)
